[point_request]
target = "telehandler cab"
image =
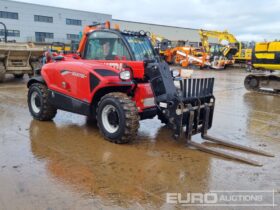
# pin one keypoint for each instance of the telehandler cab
(117, 78)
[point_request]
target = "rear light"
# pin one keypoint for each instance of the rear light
(149, 102)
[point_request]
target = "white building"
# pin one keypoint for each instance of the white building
(40, 23)
(33, 22)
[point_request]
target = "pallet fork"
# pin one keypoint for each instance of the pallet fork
(192, 124)
(218, 141)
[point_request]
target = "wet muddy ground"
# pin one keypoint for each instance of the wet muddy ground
(66, 164)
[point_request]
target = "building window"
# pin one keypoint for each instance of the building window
(9, 15)
(73, 36)
(43, 36)
(40, 18)
(73, 22)
(13, 33)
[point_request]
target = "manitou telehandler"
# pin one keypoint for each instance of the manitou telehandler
(117, 78)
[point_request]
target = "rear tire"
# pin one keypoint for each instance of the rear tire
(117, 118)
(38, 103)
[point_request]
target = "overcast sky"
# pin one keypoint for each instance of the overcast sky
(247, 19)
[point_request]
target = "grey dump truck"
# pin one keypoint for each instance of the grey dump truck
(18, 58)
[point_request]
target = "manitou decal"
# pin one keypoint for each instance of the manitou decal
(118, 66)
(75, 74)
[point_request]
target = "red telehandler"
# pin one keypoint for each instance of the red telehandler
(117, 78)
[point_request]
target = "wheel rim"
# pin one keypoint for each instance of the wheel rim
(110, 118)
(35, 102)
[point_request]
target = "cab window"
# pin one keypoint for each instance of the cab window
(106, 46)
(141, 47)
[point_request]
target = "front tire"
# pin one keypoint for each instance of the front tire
(38, 103)
(117, 118)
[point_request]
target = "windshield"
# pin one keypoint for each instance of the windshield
(102, 45)
(141, 47)
(216, 48)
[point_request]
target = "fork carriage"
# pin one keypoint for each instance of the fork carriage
(189, 110)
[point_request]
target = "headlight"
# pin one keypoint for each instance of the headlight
(175, 73)
(142, 33)
(125, 75)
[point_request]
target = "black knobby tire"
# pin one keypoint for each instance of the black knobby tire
(46, 110)
(127, 117)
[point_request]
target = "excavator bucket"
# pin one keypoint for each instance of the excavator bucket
(189, 108)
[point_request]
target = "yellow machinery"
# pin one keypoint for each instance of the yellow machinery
(65, 48)
(156, 39)
(59, 47)
(235, 51)
(220, 55)
(265, 56)
(244, 53)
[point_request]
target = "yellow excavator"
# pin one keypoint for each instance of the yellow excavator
(160, 43)
(235, 51)
(265, 57)
(220, 55)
